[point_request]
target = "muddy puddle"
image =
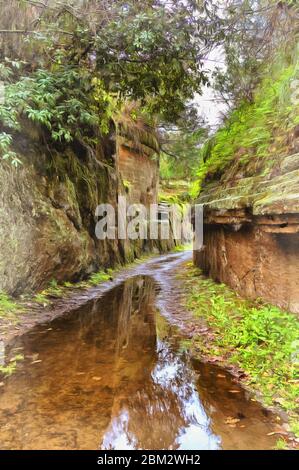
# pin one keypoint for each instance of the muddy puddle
(114, 375)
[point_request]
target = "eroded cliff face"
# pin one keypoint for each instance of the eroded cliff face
(139, 172)
(251, 229)
(47, 210)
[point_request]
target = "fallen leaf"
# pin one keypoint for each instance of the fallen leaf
(34, 357)
(279, 400)
(282, 433)
(213, 359)
(203, 330)
(231, 420)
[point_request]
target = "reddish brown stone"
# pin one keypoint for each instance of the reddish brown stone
(253, 262)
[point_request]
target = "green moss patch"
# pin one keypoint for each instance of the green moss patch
(10, 368)
(8, 307)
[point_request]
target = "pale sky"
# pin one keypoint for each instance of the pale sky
(208, 105)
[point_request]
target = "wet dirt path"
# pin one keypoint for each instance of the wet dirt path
(109, 372)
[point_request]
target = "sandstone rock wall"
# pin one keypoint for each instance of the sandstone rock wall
(139, 171)
(139, 176)
(47, 211)
(251, 231)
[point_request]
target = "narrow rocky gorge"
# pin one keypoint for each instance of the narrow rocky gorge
(149, 230)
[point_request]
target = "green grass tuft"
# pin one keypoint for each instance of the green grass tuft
(10, 368)
(281, 444)
(99, 277)
(7, 306)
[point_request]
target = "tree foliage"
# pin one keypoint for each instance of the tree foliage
(257, 30)
(82, 59)
(180, 154)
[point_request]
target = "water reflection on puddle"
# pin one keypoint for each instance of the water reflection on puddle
(165, 413)
(111, 375)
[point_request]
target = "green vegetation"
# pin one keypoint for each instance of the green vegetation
(260, 339)
(65, 102)
(42, 298)
(55, 290)
(180, 248)
(281, 444)
(10, 368)
(175, 192)
(11, 308)
(255, 130)
(99, 277)
(179, 156)
(295, 427)
(127, 186)
(8, 307)
(170, 198)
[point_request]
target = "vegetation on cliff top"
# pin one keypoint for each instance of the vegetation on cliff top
(250, 74)
(257, 129)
